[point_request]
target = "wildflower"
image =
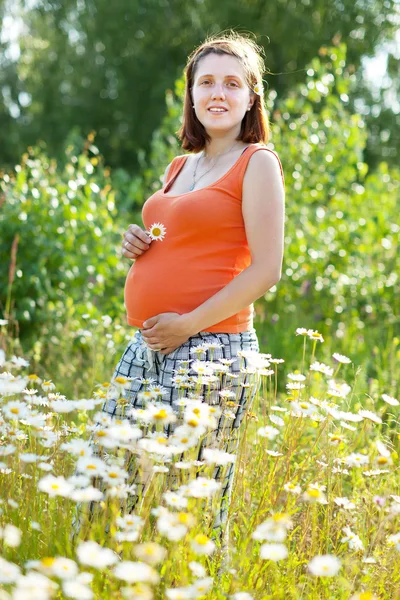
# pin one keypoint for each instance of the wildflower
(242, 596)
(273, 552)
(201, 544)
(364, 596)
(198, 351)
(379, 500)
(201, 586)
(292, 488)
(315, 493)
(270, 530)
(55, 486)
(48, 386)
(258, 89)
(11, 535)
(136, 572)
(157, 231)
(78, 447)
(161, 414)
(296, 385)
(367, 414)
(88, 494)
(34, 585)
(124, 432)
(352, 539)
(356, 460)
(315, 335)
(77, 590)
(344, 503)
(302, 331)
(201, 487)
(268, 432)
(325, 565)
(303, 409)
(341, 358)
(296, 376)
(63, 406)
(375, 472)
(91, 465)
(15, 410)
(92, 554)
(336, 438)
(9, 572)
(197, 569)
(394, 539)
(321, 368)
(150, 552)
(218, 457)
(61, 567)
(158, 390)
(390, 400)
(339, 390)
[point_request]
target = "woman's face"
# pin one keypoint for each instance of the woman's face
(219, 81)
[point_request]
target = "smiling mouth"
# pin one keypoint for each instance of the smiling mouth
(217, 112)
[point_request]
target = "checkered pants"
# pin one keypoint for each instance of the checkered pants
(140, 363)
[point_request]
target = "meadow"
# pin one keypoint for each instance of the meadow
(314, 513)
(315, 510)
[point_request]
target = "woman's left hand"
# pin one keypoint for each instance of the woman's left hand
(166, 332)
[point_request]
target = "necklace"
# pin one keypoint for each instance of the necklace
(197, 164)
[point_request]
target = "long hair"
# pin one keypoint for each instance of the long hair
(255, 125)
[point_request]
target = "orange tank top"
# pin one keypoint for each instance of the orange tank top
(204, 248)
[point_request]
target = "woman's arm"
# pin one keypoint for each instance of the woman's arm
(263, 208)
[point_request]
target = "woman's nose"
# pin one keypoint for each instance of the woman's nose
(218, 92)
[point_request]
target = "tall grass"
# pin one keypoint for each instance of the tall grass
(314, 512)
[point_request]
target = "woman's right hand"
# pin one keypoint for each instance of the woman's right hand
(135, 242)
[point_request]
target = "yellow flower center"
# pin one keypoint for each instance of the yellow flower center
(156, 231)
(201, 539)
(382, 460)
(162, 414)
(183, 517)
(313, 493)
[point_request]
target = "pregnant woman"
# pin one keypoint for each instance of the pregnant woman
(220, 220)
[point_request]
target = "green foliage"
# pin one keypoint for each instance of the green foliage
(68, 240)
(105, 67)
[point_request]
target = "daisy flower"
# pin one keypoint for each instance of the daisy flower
(292, 488)
(325, 565)
(341, 358)
(302, 331)
(150, 552)
(273, 552)
(92, 554)
(258, 89)
(390, 400)
(201, 544)
(315, 335)
(315, 493)
(157, 231)
(352, 539)
(367, 414)
(321, 368)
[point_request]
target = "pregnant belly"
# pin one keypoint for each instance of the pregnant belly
(173, 287)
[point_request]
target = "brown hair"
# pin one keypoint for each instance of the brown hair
(255, 124)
